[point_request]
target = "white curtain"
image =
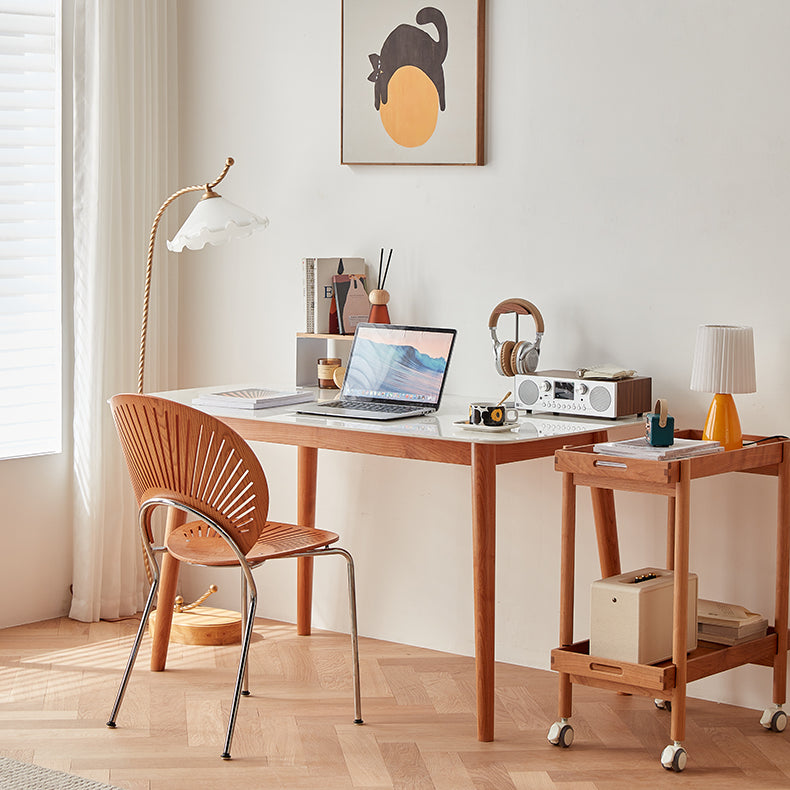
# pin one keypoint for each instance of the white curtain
(125, 126)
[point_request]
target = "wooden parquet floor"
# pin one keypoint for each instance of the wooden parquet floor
(58, 680)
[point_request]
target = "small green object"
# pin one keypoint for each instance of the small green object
(659, 426)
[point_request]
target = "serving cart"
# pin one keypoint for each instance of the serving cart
(666, 681)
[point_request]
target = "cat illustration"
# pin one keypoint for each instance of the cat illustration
(407, 45)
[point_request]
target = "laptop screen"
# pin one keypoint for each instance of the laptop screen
(404, 364)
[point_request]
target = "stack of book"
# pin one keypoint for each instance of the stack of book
(728, 624)
(318, 289)
(252, 398)
(641, 448)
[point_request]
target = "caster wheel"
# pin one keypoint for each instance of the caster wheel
(674, 758)
(561, 734)
(663, 704)
(774, 719)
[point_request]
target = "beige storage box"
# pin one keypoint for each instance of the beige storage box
(631, 616)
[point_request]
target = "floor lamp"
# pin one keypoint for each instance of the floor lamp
(213, 220)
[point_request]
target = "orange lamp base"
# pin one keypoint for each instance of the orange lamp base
(722, 424)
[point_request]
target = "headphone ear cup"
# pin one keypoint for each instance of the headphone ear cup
(514, 366)
(505, 357)
(531, 359)
(524, 358)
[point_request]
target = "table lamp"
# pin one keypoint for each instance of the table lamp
(213, 220)
(723, 364)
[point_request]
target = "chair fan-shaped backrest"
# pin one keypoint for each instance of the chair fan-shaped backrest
(183, 454)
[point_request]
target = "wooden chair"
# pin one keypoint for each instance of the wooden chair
(182, 458)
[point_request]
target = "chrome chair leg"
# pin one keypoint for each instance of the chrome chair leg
(245, 688)
(245, 648)
(135, 649)
(352, 610)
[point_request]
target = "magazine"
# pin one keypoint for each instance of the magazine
(639, 448)
(252, 398)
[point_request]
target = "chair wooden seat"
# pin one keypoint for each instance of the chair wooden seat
(197, 543)
(179, 457)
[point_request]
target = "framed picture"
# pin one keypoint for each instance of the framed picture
(413, 82)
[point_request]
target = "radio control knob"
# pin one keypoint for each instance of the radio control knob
(546, 386)
(583, 388)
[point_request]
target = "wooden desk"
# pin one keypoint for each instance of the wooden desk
(438, 439)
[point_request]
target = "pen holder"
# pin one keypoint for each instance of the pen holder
(379, 314)
(659, 426)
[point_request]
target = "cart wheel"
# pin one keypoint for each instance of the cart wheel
(561, 734)
(663, 704)
(674, 758)
(774, 719)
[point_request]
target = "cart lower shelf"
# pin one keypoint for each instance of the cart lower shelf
(651, 680)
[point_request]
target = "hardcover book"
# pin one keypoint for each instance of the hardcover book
(351, 297)
(728, 624)
(319, 294)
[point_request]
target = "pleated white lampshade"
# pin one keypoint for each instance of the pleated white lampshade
(215, 220)
(724, 359)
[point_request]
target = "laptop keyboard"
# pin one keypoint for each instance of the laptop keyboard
(389, 408)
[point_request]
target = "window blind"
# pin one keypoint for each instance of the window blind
(30, 185)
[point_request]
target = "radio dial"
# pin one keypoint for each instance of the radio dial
(583, 389)
(546, 386)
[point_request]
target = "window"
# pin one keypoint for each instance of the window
(30, 277)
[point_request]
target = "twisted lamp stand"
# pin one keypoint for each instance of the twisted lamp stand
(209, 193)
(215, 626)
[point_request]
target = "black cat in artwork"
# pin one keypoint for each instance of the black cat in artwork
(407, 45)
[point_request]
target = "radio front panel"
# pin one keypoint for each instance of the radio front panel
(563, 392)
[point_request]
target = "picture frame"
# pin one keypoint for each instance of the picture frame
(412, 82)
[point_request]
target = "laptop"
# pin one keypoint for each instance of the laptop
(392, 372)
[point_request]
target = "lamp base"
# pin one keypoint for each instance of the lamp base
(203, 625)
(722, 423)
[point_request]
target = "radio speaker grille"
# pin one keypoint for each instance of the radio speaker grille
(600, 398)
(528, 392)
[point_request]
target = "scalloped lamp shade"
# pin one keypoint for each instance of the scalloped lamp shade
(215, 220)
(724, 364)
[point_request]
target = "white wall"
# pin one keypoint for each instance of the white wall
(636, 185)
(35, 562)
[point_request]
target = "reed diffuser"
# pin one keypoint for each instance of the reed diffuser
(379, 298)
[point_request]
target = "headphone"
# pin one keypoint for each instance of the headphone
(514, 357)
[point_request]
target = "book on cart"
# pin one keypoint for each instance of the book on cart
(640, 448)
(727, 623)
(252, 398)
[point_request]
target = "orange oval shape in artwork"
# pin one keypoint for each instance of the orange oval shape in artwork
(412, 108)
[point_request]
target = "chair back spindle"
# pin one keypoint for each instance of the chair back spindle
(182, 454)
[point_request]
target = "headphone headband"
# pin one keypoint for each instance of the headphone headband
(520, 306)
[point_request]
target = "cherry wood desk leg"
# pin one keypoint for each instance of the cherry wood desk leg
(605, 524)
(671, 533)
(567, 583)
(484, 554)
(307, 470)
(606, 531)
(680, 604)
(782, 580)
(168, 584)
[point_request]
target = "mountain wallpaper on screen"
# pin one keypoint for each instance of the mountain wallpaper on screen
(389, 368)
